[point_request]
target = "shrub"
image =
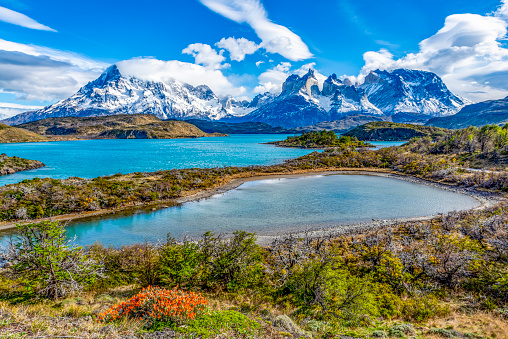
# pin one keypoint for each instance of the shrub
(46, 262)
(218, 322)
(347, 296)
(231, 264)
(156, 304)
(423, 308)
(179, 264)
(401, 330)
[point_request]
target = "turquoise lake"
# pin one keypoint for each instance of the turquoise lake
(93, 158)
(275, 206)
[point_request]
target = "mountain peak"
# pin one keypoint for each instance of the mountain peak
(310, 73)
(111, 73)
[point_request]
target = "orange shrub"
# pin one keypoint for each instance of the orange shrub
(157, 304)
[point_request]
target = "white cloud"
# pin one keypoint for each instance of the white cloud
(161, 70)
(205, 55)
(258, 63)
(16, 18)
(8, 109)
(502, 10)
(40, 73)
(275, 38)
(238, 48)
(272, 79)
(467, 53)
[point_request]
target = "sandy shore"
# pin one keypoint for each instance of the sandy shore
(485, 199)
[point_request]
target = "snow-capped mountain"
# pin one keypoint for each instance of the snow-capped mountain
(386, 93)
(411, 91)
(113, 93)
(302, 102)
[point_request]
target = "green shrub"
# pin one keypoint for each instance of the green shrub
(348, 296)
(46, 262)
(423, 308)
(401, 330)
(231, 264)
(180, 264)
(215, 323)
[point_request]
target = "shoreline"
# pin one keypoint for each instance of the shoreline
(486, 199)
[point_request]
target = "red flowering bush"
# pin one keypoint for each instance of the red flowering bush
(154, 304)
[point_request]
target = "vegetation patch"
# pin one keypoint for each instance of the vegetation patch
(391, 131)
(321, 139)
(11, 165)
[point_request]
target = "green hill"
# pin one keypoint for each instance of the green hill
(125, 126)
(391, 131)
(321, 140)
(10, 134)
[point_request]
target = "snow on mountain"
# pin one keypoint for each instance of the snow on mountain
(113, 93)
(383, 93)
(301, 102)
(411, 91)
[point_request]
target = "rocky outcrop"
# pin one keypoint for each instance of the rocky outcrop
(11, 165)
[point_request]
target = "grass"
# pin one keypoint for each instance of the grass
(228, 316)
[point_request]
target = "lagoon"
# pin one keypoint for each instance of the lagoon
(277, 205)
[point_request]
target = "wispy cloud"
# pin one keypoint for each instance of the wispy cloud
(16, 18)
(40, 73)
(8, 109)
(275, 38)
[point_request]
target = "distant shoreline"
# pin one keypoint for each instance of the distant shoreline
(485, 199)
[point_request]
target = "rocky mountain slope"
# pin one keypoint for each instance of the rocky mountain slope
(125, 126)
(390, 131)
(407, 94)
(10, 134)
(480, 114)
(411, 91)
(112, 93)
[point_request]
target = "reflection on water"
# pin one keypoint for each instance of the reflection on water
(277, 205)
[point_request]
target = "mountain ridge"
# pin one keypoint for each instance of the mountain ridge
(479, 114)
(301, 103)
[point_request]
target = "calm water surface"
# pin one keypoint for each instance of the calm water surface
(93, 158)
(278, 205)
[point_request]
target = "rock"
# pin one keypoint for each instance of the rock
(107, 329)
(285, 324)
(165, 333)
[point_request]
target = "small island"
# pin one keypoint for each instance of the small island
(11, 165)
(391, 131)
(321, 140)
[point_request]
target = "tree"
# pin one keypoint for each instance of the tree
(46, 262)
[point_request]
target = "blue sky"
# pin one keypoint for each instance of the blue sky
(48, 49)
